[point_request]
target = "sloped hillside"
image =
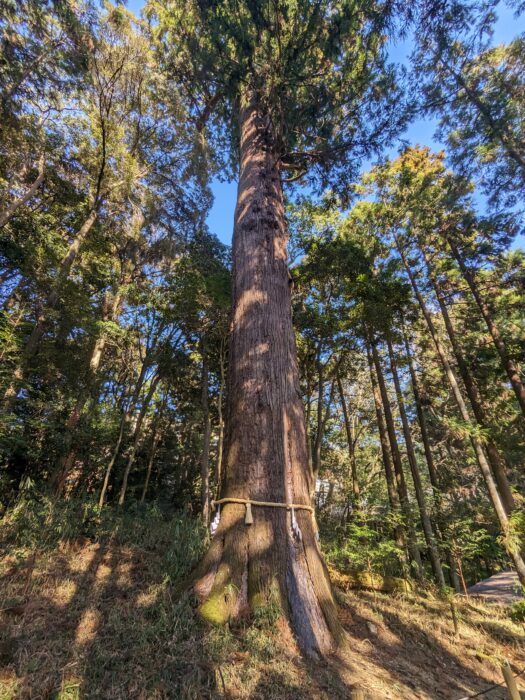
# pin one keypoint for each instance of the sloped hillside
(99, 619)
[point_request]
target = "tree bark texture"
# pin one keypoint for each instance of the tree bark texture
(266, 457)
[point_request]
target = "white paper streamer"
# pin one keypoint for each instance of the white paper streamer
(295, 527)
(216, 520)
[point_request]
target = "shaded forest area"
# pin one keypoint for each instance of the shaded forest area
(367, 367)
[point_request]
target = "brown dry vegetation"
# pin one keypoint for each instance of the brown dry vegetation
(100, 620)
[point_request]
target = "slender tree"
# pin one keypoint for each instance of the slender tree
(416, 476)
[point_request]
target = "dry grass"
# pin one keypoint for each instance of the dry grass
(99, 620)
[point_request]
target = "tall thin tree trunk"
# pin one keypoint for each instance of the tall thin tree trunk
(220, 443)
(454, 578)
(154, 442)
(316, 451)
(112, 461)
(483, 463)
(508, 364)
(322, 419)
(423, 428)
(124, 420)
(266, 455)
(416, 476)
(136, 437)
(206, 434)
(350, 440)
(398, 465)
(496, 460)
(432, 471)
(393, 497)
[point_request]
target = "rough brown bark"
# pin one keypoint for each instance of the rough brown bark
(266, 458)
(477, 446)
(428, 530)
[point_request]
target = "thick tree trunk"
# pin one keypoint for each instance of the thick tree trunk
(266, 456)
(508, 364)
(496, 460)
(416, 477)
(351, 442)
(398, 465)
(481, 458)
(206, 434)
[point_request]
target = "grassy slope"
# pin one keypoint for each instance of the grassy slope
(97, 618)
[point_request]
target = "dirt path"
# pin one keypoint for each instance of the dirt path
(503, 588)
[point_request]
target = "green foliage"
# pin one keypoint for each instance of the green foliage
(359, 546)
(517, 612)
(318, 70)
(114, 340)
(38, 523)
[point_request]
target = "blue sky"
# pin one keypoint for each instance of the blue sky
(421, 131)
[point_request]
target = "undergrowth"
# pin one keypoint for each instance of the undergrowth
(89, 608)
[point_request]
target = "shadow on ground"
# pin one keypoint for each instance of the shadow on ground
(100, 620)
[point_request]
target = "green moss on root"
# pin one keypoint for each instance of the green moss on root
(215, 609)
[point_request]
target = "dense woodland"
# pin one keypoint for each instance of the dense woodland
(129, 381)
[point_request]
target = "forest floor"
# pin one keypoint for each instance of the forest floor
(99, 619)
